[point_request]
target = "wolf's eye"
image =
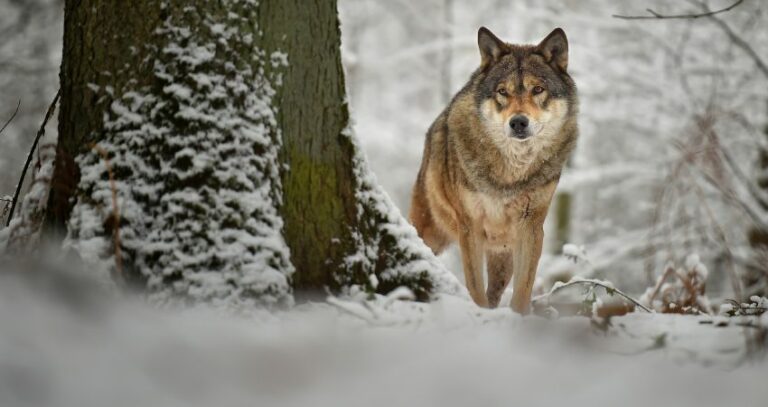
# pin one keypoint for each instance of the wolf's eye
(537, 90)
(502, 91)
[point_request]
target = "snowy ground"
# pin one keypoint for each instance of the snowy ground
(64, 343)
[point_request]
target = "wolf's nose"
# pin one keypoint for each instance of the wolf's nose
(519, 123)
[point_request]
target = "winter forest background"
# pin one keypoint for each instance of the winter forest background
(669, 173)
(672, 118)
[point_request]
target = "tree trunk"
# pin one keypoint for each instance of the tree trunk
(755, 276)
(562, 220)
(319, 194)
(223, 127)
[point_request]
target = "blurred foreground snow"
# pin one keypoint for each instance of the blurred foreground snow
(65, 343)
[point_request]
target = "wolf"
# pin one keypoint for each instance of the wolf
(492, 160)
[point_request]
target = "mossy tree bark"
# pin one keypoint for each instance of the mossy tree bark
(319, 205)
(340, 229)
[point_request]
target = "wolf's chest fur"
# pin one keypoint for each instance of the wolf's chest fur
(512, 161)
(497, 217)
(494, 216)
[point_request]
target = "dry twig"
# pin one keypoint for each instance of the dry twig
(40, 134)
(686, 298)
(12, 117)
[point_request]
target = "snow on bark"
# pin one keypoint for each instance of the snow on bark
(391, 254)
(194, 156)
(24, 230)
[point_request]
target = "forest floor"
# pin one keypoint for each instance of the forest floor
(65, 345)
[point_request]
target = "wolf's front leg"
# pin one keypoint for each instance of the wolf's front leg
(526, 260)
(472, 259)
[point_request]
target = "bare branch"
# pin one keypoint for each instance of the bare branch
(594, 283)
(40, 134)
(718, 228)
(706, 12)
(656, 16)
(741, 43)
(12, 116)
(742, 177)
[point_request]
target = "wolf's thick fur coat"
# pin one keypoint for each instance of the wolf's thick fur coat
(492, 160)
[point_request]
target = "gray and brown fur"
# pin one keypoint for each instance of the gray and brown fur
(492, 160)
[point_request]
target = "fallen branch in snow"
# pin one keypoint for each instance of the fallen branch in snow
(115, 211)
(609, 288)
(757, 306)
(656, 16)
(40, 134)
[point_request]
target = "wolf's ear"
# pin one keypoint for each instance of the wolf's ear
(554, 48)
(491, 47)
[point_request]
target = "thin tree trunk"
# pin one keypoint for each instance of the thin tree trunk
(756, 273)
(562, 220)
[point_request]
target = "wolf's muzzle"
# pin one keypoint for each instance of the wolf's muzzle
(519, 125)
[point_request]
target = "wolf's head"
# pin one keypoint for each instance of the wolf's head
(524, 92)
